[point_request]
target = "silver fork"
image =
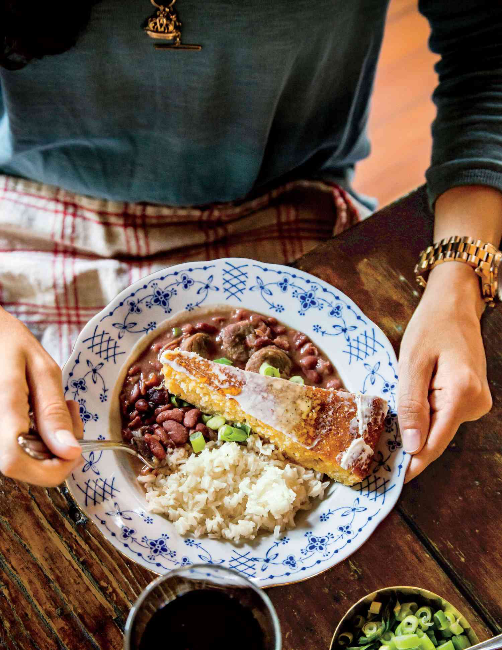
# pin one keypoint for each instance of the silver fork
(35, 447)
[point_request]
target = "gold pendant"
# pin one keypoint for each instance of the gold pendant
(165, 26)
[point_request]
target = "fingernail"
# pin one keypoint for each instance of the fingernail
(66, 438)
(411, 440)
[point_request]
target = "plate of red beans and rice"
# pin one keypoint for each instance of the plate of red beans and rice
(239, 502)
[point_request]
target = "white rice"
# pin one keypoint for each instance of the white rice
(232, 490)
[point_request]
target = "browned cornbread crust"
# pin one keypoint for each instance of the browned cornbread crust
(313, 426)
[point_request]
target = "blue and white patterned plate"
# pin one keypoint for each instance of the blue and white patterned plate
(104, 487)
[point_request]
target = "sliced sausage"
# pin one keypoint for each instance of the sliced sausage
(233, 340)
(199, 343)
(272, 355)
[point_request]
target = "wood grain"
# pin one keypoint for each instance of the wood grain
(63, 586)
(455, 506)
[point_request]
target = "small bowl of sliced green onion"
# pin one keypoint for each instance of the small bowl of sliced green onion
(403, 618)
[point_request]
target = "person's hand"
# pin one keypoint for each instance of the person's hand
(442, 365)
(30, 377)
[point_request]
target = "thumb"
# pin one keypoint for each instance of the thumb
(54, 421)
(413, 408)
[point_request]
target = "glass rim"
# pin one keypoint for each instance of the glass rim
(183, 570)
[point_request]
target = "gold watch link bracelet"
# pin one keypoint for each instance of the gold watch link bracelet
(483, 257)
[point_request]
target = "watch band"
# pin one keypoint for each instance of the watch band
(483, 257)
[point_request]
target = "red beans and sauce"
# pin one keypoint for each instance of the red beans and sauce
(155, 422)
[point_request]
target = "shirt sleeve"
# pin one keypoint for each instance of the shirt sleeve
(467, 131)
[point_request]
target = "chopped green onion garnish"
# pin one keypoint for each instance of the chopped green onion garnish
(446, 646)
(345, 638)
(244, 427)
(388, 636)
(426, 643)
(174, 401)
(300, 380)
(460, 642)
(440, 620)
(183, 403)
(406, 641)
(206, 418)
(406, 610)
(268, 370)
(409, 624)
(455, 628)
(216, 422)
(177, 331)
(197, 441)
(224, 361)
(359, 620)
(231, 434)
(374, 607)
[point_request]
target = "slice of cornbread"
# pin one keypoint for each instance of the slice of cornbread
(334, 432)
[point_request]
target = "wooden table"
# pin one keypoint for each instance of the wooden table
(63, 586)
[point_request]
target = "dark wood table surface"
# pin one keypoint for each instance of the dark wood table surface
(62, 585)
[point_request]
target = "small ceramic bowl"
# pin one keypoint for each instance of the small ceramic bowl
(362, 606)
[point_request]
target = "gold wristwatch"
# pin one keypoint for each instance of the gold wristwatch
(484, 258)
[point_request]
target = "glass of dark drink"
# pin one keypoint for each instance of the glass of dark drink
(202, 607)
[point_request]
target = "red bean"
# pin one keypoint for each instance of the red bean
(257, 320)
(264, 331)
(309, 363)
(313, 376)
(163, 436)
(135, 423)
(141, 405)
(309, 349)
(153, 380)
(204, 430)
(299, 339)
(161, 409)
(155, 447)
(150, 420)
(282, 342)
(134, 394)
(191, 418)
(218, 319)
(207, 328)
(142, 387)
(177, 432)
(188, 329)
(173, 414)
(278, 329)
(242, 314)
(262, 341)
(272, 321)
(127, 435)
(134, 370)
(324, 367)
(334, 384)
(157, 346)
(185, 409)
(133, 414)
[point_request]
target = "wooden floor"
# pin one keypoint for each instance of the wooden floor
(402, 110)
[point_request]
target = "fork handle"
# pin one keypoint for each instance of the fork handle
(33, 445)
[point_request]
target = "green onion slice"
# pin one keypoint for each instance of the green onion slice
(268, 370)
(206, 418)
(231, 434)
(174, 401)
(301, 381)
(460, 642)
(224, 361)
(345, 638)
(406, 641)
(244, 427)
(215, 422)
(197, 441)
(177, 331)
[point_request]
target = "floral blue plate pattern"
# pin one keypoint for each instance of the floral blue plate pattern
(339, 523)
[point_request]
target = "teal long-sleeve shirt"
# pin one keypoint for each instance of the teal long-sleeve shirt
(280, 90)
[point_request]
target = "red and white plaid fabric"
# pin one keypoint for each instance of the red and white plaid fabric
(64, 256)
